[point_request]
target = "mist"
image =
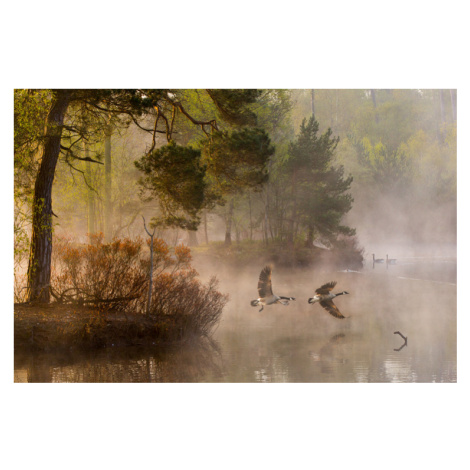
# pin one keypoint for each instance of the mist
(325, 180)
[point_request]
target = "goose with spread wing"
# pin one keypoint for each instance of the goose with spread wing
(265, 291)
(324, 295)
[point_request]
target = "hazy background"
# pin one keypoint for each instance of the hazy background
(399, 146)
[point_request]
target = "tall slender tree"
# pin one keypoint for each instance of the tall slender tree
(107, 184)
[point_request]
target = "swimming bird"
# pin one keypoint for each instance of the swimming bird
(325, 297)
(378, 260)
(391, 260)
(265, 291)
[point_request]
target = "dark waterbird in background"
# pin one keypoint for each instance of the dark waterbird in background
(265, 291)
(325, 297)
(378, 260)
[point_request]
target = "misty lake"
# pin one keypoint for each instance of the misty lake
(299, 342)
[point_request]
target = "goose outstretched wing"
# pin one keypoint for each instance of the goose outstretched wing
(265, 288)
(331, 308)
(326, 288)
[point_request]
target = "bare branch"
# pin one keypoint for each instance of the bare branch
(145, 226)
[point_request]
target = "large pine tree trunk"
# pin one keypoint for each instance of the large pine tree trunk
(39, 268)
(107, 186)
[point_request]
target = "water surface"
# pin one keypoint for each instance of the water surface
(300, 342)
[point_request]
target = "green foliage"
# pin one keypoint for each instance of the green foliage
(434, 165)
(237, 160)
(233, 105)
(388, 169)
(318, 199)
(310, 151)
(30, 111)
(175, 176)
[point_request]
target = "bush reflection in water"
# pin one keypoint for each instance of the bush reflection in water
(297, 343)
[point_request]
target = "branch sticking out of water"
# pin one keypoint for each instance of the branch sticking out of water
(404, 337)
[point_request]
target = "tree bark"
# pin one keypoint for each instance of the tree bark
(107, 186)
(39, 268)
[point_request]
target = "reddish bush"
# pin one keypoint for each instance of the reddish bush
(99, 272)
(115, 275)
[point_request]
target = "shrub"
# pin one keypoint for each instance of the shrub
(99, 272)
(115, 276)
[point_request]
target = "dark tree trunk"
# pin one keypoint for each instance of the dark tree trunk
(309, 241)
(228, 224)
(107, 186)
(192, 238)
(39, 268)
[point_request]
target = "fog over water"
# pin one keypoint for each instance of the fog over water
(299, 342)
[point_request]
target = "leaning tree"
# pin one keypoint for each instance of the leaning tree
(64, 133)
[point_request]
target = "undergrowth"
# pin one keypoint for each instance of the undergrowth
(105, 286)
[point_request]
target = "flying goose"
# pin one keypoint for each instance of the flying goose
(325, 297)
(265, 291)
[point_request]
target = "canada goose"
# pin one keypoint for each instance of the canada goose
(378, 260)
(325, 297)
(265, 291)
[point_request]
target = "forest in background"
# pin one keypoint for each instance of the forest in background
(289, 168)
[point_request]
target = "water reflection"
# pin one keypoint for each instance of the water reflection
(298, 343)
(191, 363)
